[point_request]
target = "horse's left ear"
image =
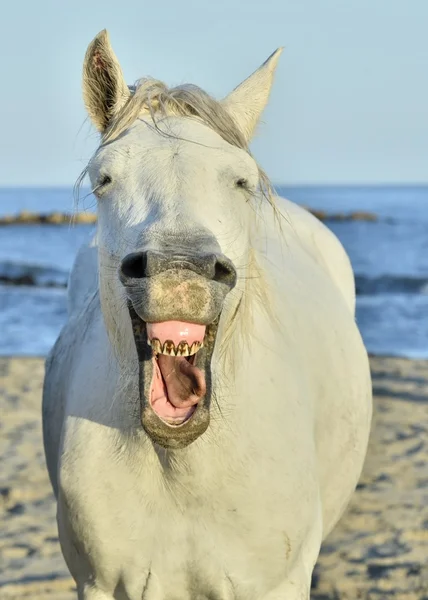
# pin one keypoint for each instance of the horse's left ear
(104, 88)
(246, 103)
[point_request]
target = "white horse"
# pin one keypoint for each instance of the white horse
(208, 403)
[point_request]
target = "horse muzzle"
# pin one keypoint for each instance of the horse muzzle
(183, 287)
(175, 303)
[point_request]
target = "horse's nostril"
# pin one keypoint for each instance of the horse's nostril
(135, 265)
(225, 272)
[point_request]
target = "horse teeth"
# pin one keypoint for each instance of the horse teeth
(195, 347)
(182, 349)
(156, 346)
(169, 348)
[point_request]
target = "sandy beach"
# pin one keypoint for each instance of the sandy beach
(378, 551)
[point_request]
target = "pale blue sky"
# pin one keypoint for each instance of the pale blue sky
(349, 104)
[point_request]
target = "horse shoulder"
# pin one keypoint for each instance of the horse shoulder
(53, 402)
(82, 295)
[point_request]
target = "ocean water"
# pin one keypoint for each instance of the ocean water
(389, 257)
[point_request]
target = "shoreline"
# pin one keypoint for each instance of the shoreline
(379, 548)
(88, 218)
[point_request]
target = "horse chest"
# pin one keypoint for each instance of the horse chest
(183, 557)
(162, 542)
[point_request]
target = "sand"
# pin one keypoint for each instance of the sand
(378, 551)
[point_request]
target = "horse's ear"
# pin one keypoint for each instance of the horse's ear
(246, 103)
(104, 88)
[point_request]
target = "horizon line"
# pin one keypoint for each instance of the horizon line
(6, 187)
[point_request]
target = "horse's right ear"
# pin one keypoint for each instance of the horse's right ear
(104, 88)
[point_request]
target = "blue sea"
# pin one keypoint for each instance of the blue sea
(389, 257)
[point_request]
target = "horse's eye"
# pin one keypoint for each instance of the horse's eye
(241, 183)
(101, 184)
(105, 180)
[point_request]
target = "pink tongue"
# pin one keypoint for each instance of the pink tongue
(176, 331)
(177, 387)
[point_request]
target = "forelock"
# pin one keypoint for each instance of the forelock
(152, 97)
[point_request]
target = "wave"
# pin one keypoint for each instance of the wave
(13, 273)
(390, 284)
(17, 273)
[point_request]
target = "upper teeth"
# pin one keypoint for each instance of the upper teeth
(170, 349)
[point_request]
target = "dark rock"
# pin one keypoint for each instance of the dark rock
(55, 218)
(353, 216)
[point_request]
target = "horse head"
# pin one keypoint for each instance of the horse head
(177, 192)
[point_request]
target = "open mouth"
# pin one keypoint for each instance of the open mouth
(175, 378)
(178, 383)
